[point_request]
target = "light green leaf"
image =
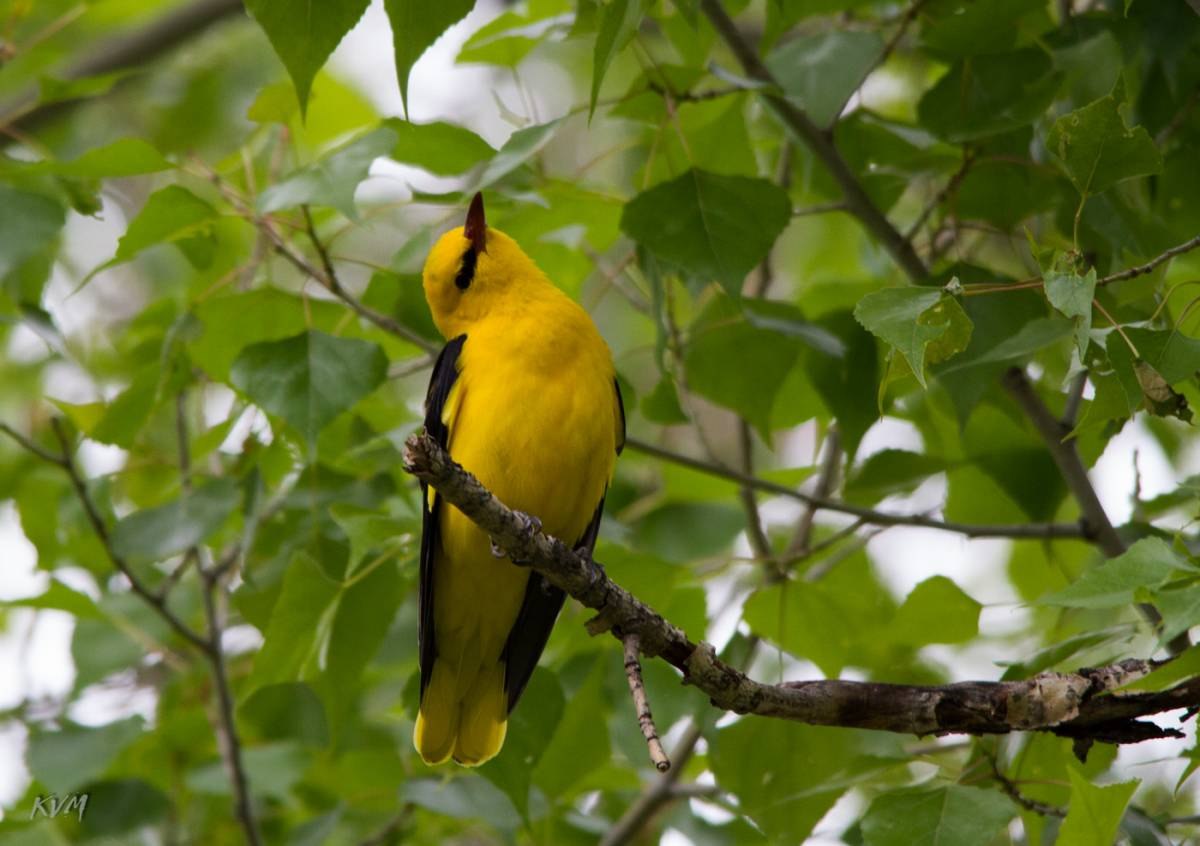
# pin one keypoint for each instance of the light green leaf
(441, 148)
(947, 815)
(1094, 812)
(156, 533)
(899, 317)
(518, 149)
(1072, 295)
(661, 405)
(619, 20)
(467, 798)
(59, 597)
(936, 611)
(1149, 563)
(168, 215)
(1180, 609)
(1098, 150)
(28, 224)
(310, 378)
(125, 157)
(303, 37)
(74, 755)
(298, 628)
(783, 773)
(332, 179)
(822, 70)
(712, 227)
(416, 25)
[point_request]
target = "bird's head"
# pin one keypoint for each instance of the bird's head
(473, 271)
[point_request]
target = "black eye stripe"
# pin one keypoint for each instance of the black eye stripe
(467, 272)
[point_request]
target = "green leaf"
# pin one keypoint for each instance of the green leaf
(1097, 149)
(518, 149)
(661, 405)
(847, 384)
(158, 533)
(984, 26)
(711, 227)
(820, 71)
(580, 742)
(1149, 563)
(441, 148)
(541, 710)
(415, 26)
(122, 805)
(28, 224)
(783, 773)
(946, 815)
(304, 37)
(740, 367)
(298, 627)
(684, 531)
(1180, 609)
(911, 319)
(69, 758)
(936, 611)
(310, 378)
(1072, 295)
(1094, 812)
(126, 157)
(332, 179)
(888, 472)
(497, 43)
(285, 711)
(168, 215)
(619, 20)
(987, 95)
(468, 798)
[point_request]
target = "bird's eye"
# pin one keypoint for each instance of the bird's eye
(466, 273)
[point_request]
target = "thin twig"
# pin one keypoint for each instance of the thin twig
(1141, 269)
(949, 188)
(1013, 792)
(755, 533)
(878, 518)
(819, 141)
(641, 704)
(826, 480)
(1074, 399)
(30, 446)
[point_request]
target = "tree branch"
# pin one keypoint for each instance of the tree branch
(126, 50)
(67, 463)
(641, 704)
(1045, 531)
(1084, 705)
(1142, 269)
(820, 142)
(659, 793)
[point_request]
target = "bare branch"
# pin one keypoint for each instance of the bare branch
(1141, 269)
(1085, 705)
(1044, 531)
(641, 704)
(820, 142)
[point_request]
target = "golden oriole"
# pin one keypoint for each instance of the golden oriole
(524, 395)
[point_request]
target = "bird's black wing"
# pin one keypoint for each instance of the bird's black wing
(543, 601)
(445, 371)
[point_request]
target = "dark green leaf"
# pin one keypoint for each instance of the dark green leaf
(158, 533)
(580, 741)
(985, 26)
(661, 405)
(118, 806)
(888, 472)
(303, 39)
(415, 26)
(950, 814)
(285, 711)
(28, 224)
(298, 629)
(1098, 150)
(711, 227)
(987, 95)
(310, 378)
(126, 157)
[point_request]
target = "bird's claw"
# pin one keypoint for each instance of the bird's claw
(497, 552)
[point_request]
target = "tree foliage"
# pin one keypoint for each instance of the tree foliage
(802, 225)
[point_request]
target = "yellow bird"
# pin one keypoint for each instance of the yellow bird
(524, 396)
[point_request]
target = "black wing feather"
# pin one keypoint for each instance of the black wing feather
(445, 371)
(543, 601)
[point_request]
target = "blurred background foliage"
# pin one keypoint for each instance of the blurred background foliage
(209, 297)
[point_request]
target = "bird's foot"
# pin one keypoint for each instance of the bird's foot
(497, 552)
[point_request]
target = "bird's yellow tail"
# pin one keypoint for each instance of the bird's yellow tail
(471, 727)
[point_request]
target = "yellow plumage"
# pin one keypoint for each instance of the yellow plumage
(530, 406)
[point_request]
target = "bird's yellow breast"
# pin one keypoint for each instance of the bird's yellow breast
(531, 414)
